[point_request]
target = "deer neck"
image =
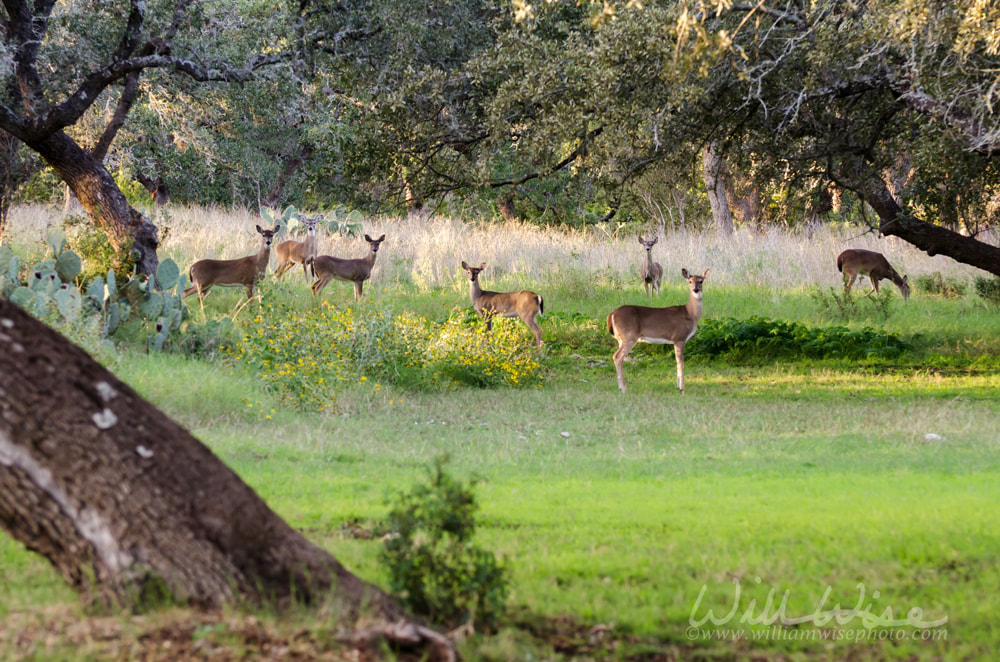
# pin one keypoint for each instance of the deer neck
(263, 257)
(649, 261)
(474, 290)
(370, 259)
(694, 306)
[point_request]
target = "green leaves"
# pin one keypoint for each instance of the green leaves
(759, 339)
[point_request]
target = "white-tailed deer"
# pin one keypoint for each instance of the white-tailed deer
(245, 271)
(856, 262)
(326, 267)
(524, 304)
(652, 272)
(291, 252)
(674, 325)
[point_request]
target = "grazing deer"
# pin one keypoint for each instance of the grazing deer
(326, 267)
(652, 272)
(245, 271)
(856, 262)
(291, 252)
(524, 304)
(674, 324)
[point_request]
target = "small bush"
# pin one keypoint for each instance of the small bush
(433, 565)
(99, 256)
(936, 284)
(989, 289)
(761, 339)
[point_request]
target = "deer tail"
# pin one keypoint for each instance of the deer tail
(541, 305)
(840, 263)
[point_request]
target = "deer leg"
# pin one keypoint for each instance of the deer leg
(849, 282)
(624, 347)
(357, 289)
(305, 270)
(535, 329)
(679, 355)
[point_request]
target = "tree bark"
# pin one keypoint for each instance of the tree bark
(11, 175)
(120, 499)
(716, 186)
(291, 165)
(134, 238)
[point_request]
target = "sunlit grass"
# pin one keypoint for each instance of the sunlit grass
(619, 508)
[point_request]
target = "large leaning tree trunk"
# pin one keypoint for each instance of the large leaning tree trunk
(131, 235)
(121, 500)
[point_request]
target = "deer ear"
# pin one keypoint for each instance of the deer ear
(259, 230)
(684, 272)
(705, 275)
(464, 265)
(382, 238)
(482, 266)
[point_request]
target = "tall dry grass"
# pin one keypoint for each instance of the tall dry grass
(427, 252)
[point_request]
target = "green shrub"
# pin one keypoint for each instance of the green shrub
(989, 289)
(937, 285)
(433, 566)
(92, 245)
(761, 339)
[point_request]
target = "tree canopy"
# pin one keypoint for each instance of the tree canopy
(563, 106)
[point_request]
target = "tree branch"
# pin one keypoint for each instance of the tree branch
(580, 150)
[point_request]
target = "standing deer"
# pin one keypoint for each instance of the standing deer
(245, 271)
(326, 267)
(652, 272)
(674, 324)
(856, 262)
(291, 252)
(524, 304)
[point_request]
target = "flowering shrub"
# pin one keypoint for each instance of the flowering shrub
(465, 353)
(307, 356)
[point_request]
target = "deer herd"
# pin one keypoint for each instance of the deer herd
(629, 325)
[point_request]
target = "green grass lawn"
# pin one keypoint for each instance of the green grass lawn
(784, 477)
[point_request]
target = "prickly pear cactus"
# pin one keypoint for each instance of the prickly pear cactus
(23, 296)
(69, 302)
(57, 240)
(68, 266)
(44, 279)
(113, 320)
(167, 274)
(151, 305)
